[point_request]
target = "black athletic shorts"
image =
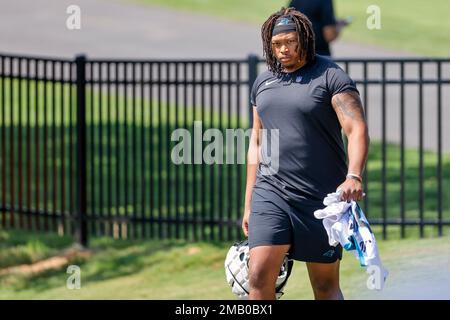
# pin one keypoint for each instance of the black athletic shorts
(276, 221)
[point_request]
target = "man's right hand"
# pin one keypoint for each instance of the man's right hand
(245, 221)
(340, 24)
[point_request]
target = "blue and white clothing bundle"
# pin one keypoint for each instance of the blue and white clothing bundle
(347, 225)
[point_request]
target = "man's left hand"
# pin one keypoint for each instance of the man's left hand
(351, 190)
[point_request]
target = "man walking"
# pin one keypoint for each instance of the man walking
(308, 99)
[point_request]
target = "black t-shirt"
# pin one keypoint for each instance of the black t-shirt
(320, 13)
(302, 155)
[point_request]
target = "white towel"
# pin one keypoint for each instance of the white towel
(346, 224)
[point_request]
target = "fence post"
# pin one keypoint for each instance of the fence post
(81, 223)
(252, 74)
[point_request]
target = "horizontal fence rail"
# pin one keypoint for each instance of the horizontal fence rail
(87, 145)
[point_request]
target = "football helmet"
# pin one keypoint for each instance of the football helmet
(236, 271)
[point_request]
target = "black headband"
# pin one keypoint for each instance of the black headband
(283, 24)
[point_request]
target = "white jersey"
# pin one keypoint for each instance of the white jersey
(346, 224)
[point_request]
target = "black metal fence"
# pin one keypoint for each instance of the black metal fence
(87, 145)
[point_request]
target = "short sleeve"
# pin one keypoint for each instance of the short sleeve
(327, 13)
(254, 92)
(339, 81)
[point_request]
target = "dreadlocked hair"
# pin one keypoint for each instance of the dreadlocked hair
(305, 37)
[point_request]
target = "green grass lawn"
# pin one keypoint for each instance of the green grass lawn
(408, 25)
(181, 270)
(20, 247)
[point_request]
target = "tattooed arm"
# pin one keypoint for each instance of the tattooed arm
(350, 113)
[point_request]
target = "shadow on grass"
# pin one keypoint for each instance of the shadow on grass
(22, 247)
(110, 259)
